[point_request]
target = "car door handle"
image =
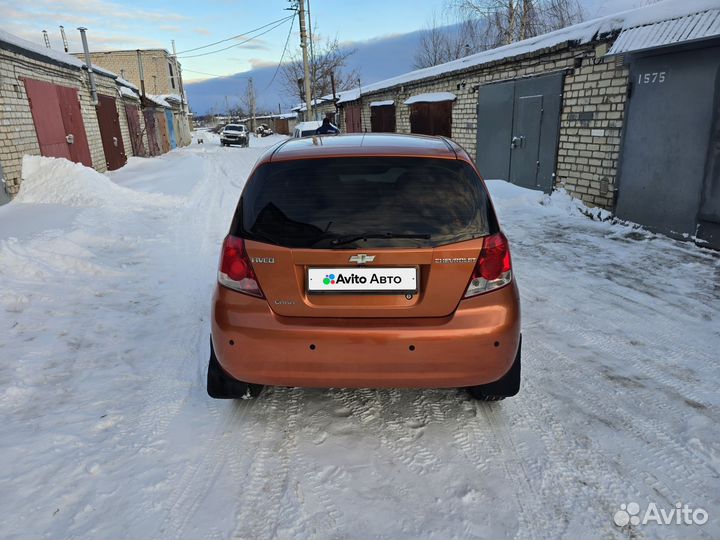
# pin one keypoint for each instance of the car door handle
(517, 142)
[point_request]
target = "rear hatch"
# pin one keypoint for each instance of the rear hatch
(364, 237)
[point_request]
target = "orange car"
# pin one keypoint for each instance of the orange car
(365, 260)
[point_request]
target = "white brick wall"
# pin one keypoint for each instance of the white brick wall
(17, 131)
(587, 160)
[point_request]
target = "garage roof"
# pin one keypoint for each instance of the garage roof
(583, 32)
(693, 26)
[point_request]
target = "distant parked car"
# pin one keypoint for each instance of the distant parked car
(235, 134)
(264, 130)
(306, 129)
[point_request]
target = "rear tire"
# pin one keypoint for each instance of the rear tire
(507, 386)
(220, 385)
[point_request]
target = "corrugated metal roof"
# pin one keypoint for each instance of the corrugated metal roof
(701, 25)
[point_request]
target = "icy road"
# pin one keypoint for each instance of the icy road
(107, 432)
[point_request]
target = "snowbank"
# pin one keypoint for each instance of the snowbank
(59, 181)
(507, 196)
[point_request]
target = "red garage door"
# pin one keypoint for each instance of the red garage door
(152, 132)
(382, 119)
(110, 134)
(353, 120)
(431, 118)
(58, 121)
(136, 138)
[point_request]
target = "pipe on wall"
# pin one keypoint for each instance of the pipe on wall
(88, 63)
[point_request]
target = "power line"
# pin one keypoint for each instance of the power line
(236, 36)
(283, 21)
(203, 73)
(282, 56)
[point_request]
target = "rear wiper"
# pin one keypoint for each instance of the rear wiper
(354, 237)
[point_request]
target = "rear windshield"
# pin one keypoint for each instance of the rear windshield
(324, 203)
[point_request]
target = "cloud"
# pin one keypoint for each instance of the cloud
(255, 46)
(260, 63)
(110, 24)
(98, 41)
(202, 31)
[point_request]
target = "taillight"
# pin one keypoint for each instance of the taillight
(236, 271)
(493, 268)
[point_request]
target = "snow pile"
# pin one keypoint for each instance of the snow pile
(128, 93)
(510, 197)
(51, 54)
(431, 97)
(59, 181)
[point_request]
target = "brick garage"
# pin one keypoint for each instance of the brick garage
(621, 111)
(590, 120)
(108, 139)
(17, 130)
(21, 61)
(590, 141)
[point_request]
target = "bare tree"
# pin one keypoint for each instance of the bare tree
(447, 39)
(508, 21)
(471, 26)
(329, 60)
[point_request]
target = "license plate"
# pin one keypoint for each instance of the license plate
(362, 280)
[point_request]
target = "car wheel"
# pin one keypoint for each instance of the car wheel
(507, 386)
(220, 385)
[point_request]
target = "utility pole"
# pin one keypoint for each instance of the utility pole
(251, 100)
(313, 66)
(306, 67)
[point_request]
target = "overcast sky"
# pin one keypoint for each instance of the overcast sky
(131, 24)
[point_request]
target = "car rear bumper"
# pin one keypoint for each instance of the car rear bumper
(475, 345)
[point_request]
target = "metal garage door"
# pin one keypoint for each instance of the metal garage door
(382, 119)
(58, 121)
(136, 137)
(433, 118)
(161, 122)
(171, 128)
(709, 215)
(110, 133)
(518, 128)
(665, 143)
(151, 129)
(353, 120)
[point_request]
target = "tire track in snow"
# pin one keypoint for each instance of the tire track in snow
(379, 409)
(261, 497)
(200, 477)
(666, 455)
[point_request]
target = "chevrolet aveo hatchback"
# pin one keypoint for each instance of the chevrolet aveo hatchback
(365, 261)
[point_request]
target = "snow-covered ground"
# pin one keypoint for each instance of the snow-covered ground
(107, 431)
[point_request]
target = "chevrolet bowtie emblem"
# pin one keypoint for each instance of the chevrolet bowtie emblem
(361, 258)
